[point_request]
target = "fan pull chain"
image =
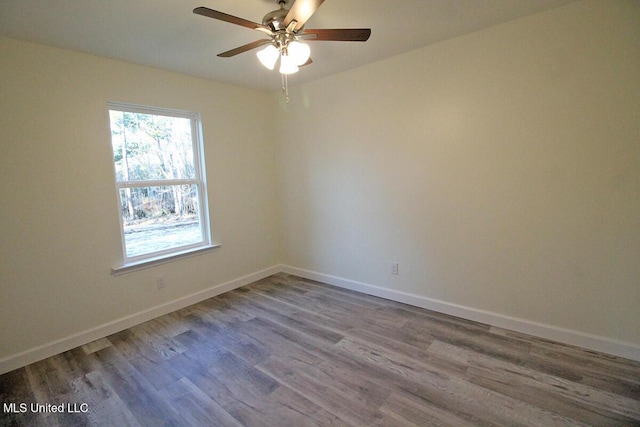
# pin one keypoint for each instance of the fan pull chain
(285, 87)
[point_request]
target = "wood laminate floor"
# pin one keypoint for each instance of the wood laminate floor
(291, 352)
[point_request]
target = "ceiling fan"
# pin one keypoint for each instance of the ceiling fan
(284, 29)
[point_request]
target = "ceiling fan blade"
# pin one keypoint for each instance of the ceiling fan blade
(301, 11)
(309, 62)
(341, 35)
(244, 48)
(205, 11)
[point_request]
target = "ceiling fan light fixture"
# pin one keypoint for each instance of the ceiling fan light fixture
(287, 65)
(268, 56)
(299, 52)
(284, 27)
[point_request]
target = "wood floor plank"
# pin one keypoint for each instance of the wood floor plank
(282, 341)
(573, 400)
(151, 333)
(568, 398)
(479, 341)
(286, 351)
(303, 312)
(103, 403)
(15, 389)
(284, 408)
(312, 329)
(196, 407)
(96, 345)
(599, 370)
(399, 365)
(51, 386)
(326, 394)
(141, 398)
(408, 410)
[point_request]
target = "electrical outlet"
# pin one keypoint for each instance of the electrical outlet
(394, 268)
(161, 281)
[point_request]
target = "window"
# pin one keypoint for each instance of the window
(159, 171)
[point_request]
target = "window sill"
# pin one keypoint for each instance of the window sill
(151, 262)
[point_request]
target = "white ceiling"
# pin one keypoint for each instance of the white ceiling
(166, 34)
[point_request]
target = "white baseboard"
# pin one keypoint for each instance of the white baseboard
(49, 349)
(567, 336)
(562, 335)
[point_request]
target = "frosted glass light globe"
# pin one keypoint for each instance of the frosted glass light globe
(300, 52)
(268, 56)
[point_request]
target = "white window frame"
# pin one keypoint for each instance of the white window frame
(149, 259)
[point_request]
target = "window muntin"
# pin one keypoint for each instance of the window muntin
(159, 173)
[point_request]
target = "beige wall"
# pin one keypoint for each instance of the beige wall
(500, 169)
(59, 224)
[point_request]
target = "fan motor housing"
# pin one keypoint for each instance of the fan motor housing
(275, 18)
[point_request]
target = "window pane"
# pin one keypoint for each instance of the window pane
(160, 177)
(159, 218)
(151, 147)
